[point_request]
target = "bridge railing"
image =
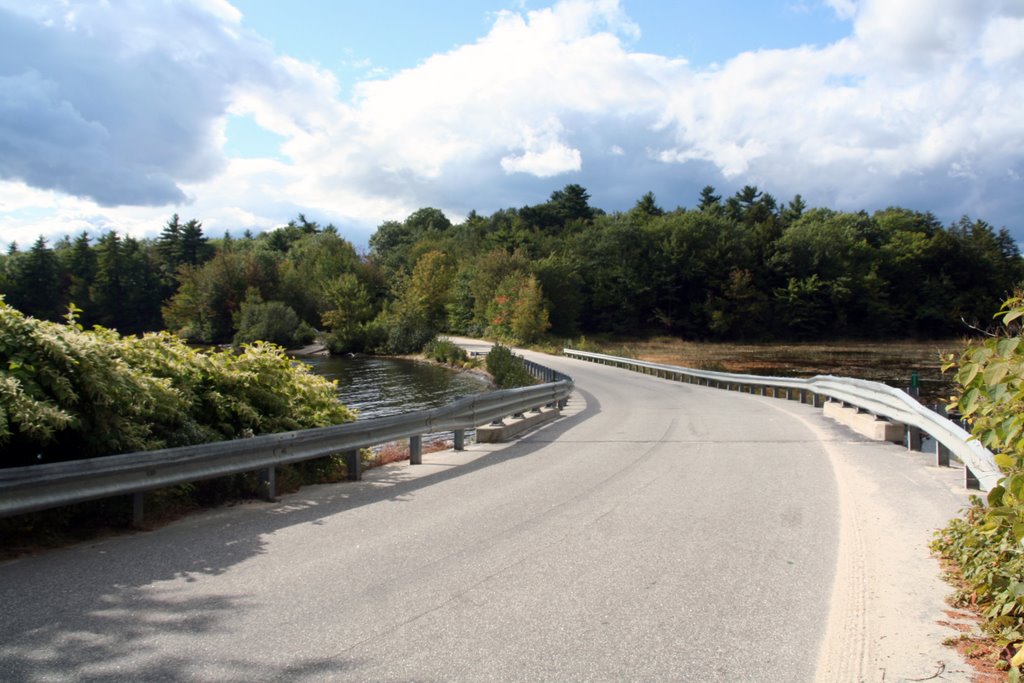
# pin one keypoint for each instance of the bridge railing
(38, 487)
(875, 398)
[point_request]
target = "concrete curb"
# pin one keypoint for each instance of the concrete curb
(865, 424)
(511, 427)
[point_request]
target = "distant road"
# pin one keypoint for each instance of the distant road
(658, 531)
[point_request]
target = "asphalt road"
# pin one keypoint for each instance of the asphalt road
(658, 531)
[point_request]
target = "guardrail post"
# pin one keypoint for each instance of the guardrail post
(913, 437)
(138, 508)
(819, 401)
(941, 455)
(415, 450)
(459, 437)
(268, 483)
(970, 481)
(353, 465)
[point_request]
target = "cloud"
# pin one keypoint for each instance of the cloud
(118, 104)
(871, 120)
(844, 9)
(918, 106)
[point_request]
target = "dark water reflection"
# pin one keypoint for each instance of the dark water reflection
(376, 387)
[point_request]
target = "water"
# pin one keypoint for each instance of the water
(377, 387)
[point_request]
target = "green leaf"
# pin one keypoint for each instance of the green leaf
(1005, 461)
(995, 496)
(1007, 346)
(968, 401)
(995, 372)
(968, 371)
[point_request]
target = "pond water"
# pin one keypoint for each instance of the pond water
(377, 387)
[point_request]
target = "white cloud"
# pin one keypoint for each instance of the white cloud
(546, 163)
(918, 106)
(844, 9)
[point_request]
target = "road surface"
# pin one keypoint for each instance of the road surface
(657, 531)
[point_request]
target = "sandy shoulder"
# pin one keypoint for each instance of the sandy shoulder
(888, 597)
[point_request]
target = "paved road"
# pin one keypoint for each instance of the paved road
(658, 531)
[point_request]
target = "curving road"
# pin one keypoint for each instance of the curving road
(658, 531)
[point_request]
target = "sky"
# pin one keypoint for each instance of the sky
(116, 114)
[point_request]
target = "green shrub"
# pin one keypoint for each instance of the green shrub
(445, 351)
(507, 369)
(67, 393)
(986, 542)
(271, 321)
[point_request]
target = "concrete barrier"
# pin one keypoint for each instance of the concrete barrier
(865, 424)
(512, 427)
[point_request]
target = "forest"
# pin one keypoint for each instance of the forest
(744, 268)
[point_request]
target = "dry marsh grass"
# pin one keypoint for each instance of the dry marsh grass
(889, 362)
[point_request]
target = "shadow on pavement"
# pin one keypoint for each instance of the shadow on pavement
(94, 611)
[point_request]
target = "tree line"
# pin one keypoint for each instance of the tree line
(745, 267)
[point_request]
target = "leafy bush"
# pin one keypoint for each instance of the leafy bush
(986, 542)
(271, 321)
(67, 393)
(407, 330)
(506, 368)
(445, 351)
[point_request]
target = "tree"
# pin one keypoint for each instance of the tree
(516, 312)
(709, 201)
(529, 313)
(36, 286)
(203, 308)
(270, 321)
(794, 210)
(168, 246)
(194, 246)
(646, 207)
(311, 262)
(349, 310)
(430, 286)
(81, 267)
(572, 203)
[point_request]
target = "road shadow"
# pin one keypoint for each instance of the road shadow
(94, 611)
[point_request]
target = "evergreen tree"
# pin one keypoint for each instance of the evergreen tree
(37, 283)
(709, 201)
(195, 249)
(81, 267)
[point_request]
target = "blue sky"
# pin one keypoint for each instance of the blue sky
(114, 115)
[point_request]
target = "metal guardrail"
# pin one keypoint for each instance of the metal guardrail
(38, 487)
(873, 397)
